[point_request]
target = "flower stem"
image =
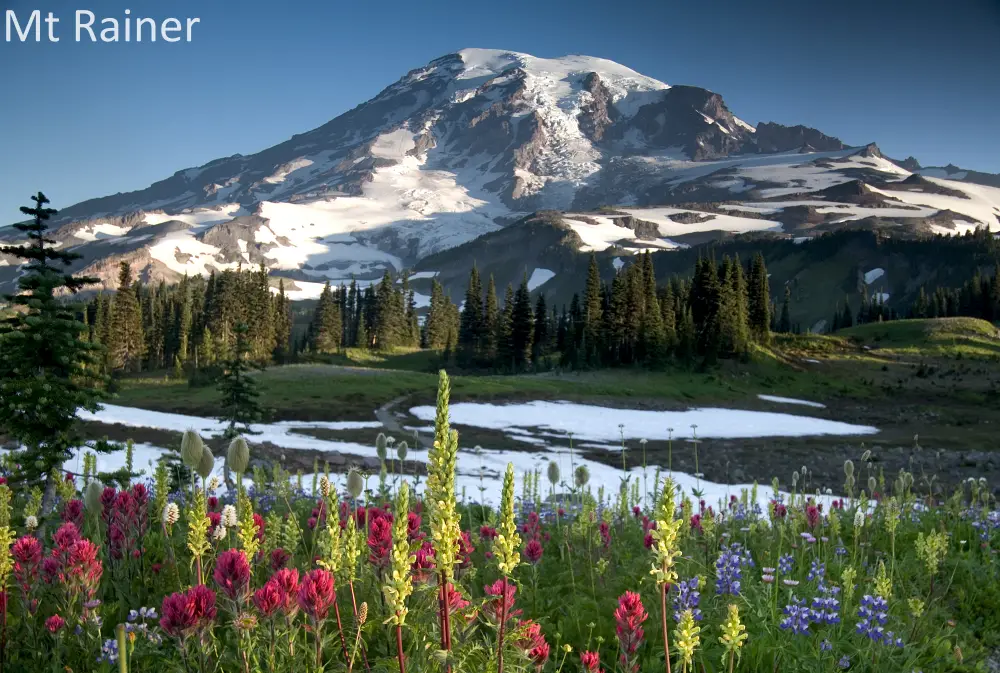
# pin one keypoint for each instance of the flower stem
(663, 614)
(399, 648)
(503, 621)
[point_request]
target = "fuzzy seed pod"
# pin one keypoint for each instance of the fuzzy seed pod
(92, 498)
(362, 614)
(795, 477)
(553, 472)
(192, 449)
(582, 476)
(355, 483)
(380, 444)
(239, 455)
(207, 463)
(402, 450)
(872, 484)
(31, 522)
(849, 468)
(324, 486)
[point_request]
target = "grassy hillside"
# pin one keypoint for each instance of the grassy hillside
(958, 337)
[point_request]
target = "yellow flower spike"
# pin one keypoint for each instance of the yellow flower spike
(440, 490)
(352, 548)
(665, 537)
(932, 549)
(883, 583)
(687, 639)
(399, 586)
(247, 532)
(508, 542)
(198, 525)
(916, 607)
(847, 581)
(733, 634)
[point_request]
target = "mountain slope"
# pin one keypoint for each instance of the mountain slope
(476, 140)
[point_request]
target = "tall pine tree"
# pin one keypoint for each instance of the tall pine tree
(127, 343)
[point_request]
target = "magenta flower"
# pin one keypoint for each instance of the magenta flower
(185, 613)
(232, 574)
(629, 617)
(533, 552)
(317, 594)
(287, 579)
(55, 623)
(591, 662)
(269, 599)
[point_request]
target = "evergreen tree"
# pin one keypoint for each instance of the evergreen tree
(491, 318)
(438, 317)
(185, 320)
(785, 323)
(471, 331)
(126, 339)
(325, 331)
(706, 299)
(734, 315)
(847, 318)
(540, 340)
(238, 389)
(389, 315)
(522, 326)
(206, 348)
(505, 331)
(592, 314)
(759, 299)
(282, 324)
(47, 370)
(652, 340)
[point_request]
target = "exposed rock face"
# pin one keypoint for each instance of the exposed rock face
(772, 137)
(597, 114)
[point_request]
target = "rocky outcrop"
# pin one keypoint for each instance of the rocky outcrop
(772, 137)
(597, 114)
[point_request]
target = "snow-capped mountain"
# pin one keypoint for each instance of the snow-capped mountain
(474, 141)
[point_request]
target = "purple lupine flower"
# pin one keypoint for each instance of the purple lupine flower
(817, 570)
(845, 662)
(826, 607)
(687, 598)
(825, 646)
(874, 612)
(728, 571)
(785, 564)
(840, 550)
(797, 617)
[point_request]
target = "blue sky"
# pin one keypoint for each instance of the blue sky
(81, 120)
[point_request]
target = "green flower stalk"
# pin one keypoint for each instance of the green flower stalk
(733, 636)
(331, 541)
(399, 586)
(247, 533)
(688, 639)
(665, 551)
(441, 504)
(198, 525)
(505, 550)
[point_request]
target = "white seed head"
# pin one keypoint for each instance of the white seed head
(219, 533)
(859, 519)
(213, 484)
(324, 486)
(31, 522)
(171, 513)
(229, 516)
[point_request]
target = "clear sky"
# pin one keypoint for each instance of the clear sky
(80, 120)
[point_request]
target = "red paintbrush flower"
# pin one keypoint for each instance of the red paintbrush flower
(591, 662)
(605, 531)
(287, 579)
(232, 574)
(185, 613)
(380, 541)
(55, 623)
(66, 536)
(317, 594)
(465, 550)
(413, 522)
(279, 559)
(533, 552)
(72, 512)
(492, 608)
(629, 617)
(423, 564)
(269, 599)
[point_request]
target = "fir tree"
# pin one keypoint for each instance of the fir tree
(540, 340)
(491, 318)
(759, 299)
(436, 326)
(47, 369)
(505, 331)
(282, 324)
(325, 330)
(592, 313)
(471, 331)
(785, 323)
(522, 325)
(126, 339)
(238, 389)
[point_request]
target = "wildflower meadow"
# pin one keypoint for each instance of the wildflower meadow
(359, 572)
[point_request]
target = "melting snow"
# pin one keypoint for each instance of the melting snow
(873, 275)
(479, 473)
(539, 277)
(600, 424)
(790, 400)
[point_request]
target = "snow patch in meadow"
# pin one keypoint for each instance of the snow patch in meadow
(790, 400)
(539, 277)
(601, 424)
(480, 473)
(873, 275)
